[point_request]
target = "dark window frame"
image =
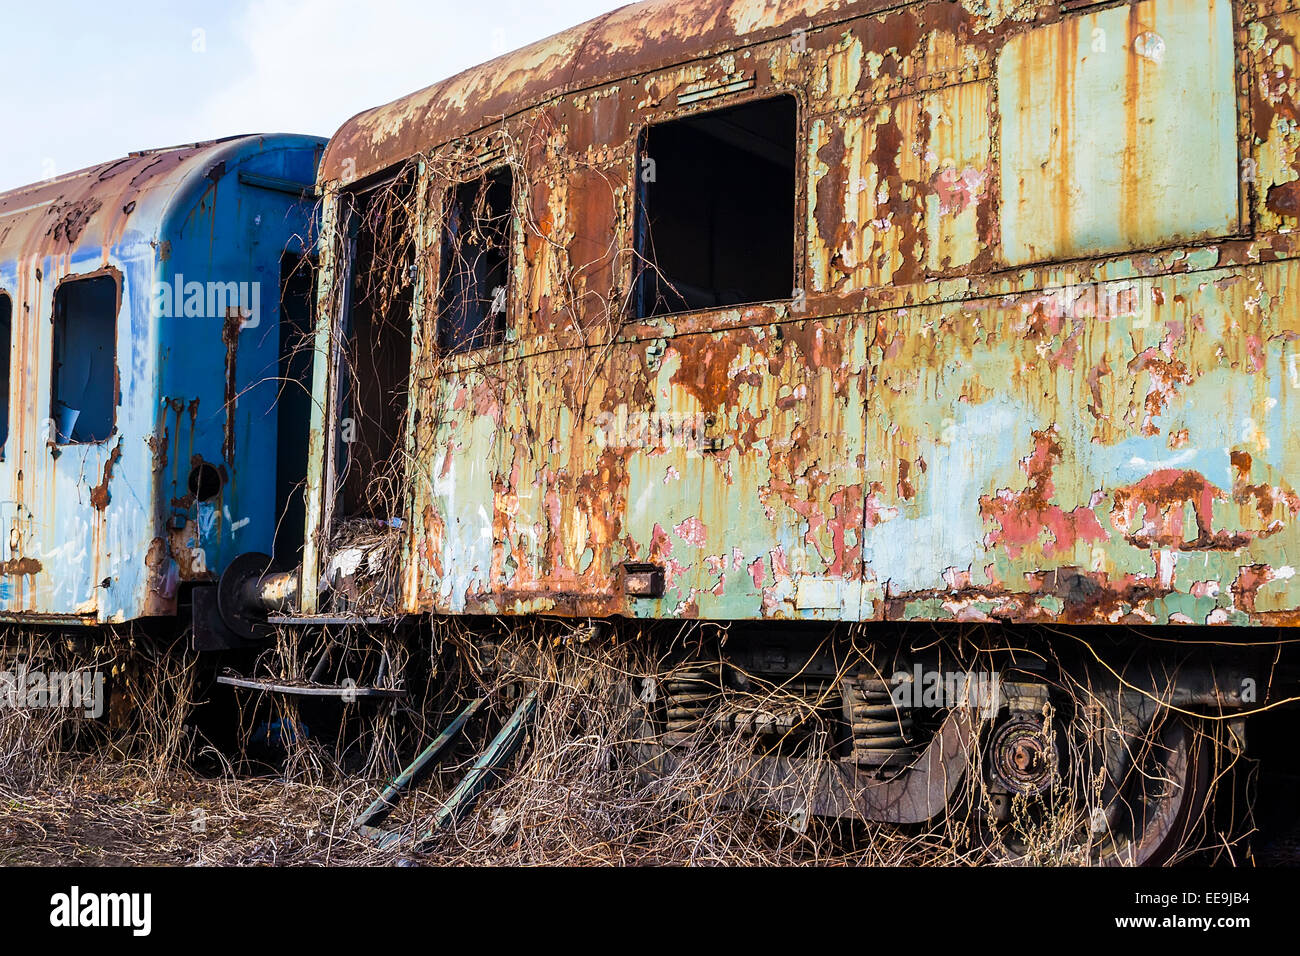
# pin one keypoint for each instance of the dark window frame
(7, 385)
(497, 336)
(640, 232)
(296, 351)
(55, 438)
(392, 189)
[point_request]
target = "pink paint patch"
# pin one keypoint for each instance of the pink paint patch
(485, 402)
(661, 546)
(1022, 517)
(757, 571)
(874, 511)
(956, 578)
(692, 531)
(780, 568)
(1256, 349)
(957, 190)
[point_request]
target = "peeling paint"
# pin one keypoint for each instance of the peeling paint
(1042, 370)
(74, 516)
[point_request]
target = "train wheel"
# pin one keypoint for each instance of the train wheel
(1022, 801)
(1032, 807)
(1162, 805)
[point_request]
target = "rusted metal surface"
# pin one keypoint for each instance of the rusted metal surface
(108, 530)
(1039, 365)
(628, 42)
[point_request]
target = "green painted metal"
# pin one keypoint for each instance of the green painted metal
(1040, 369)
(387, 799)
(1098, 112)
(502, 748)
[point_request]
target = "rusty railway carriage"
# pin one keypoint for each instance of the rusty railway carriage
(141, 318)
(814, 323)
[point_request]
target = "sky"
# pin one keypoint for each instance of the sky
(91, 80)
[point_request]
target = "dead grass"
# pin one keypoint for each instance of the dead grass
(578, 793)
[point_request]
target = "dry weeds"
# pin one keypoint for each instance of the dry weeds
(76, 792)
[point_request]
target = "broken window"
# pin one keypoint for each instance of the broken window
(716, 209)
(84, 396)
(377, 347)
(6, 366)
(475, 273)
(293, 402)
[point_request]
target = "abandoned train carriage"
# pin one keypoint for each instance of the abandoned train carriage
(955, 311)
(866, 312)
(140, 310)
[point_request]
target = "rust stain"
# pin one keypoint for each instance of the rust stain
(1284, 199)
(99, 495)
(20, 567)
(72, 219)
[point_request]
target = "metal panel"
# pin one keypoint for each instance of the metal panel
(634, 39)
(1272, 171)
(1119, 130)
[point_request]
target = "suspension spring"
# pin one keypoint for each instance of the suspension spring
(882, 729)
(792, 707)
(689, 692)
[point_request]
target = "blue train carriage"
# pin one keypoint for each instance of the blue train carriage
(154, 424)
